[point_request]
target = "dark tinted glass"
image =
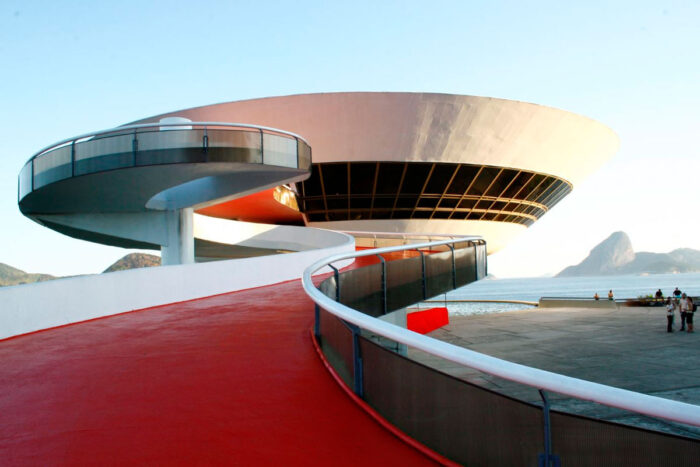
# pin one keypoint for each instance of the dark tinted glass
(362, 177)
(440, 178)
(464, 177)
(389, 177)
(416, 176)
(419, 190)
(483, 181)
(335, 178)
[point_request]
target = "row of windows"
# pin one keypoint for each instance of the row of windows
(419, 190)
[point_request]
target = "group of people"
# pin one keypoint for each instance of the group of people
(610, 296)
(682, 302)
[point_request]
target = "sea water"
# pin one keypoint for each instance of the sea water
(532, 289)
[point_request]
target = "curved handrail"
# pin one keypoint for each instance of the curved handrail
(541, 379)
(452, 300)
(158, 124)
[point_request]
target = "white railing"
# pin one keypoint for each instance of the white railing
(540, 379)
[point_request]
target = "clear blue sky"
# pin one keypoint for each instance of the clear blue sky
(71, 67)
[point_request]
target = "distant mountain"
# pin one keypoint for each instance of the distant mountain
(14, 276)
(133, 261)
(615, 255)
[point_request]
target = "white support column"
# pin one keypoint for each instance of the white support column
(180, 238)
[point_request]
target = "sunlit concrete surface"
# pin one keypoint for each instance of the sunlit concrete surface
(627, 348)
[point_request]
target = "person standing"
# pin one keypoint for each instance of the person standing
(684, 310)
(670, 306)
(689, 314)
(610, 295)
(659, 295)
(677, 293)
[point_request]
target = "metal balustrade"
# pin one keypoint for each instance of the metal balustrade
(162, 143)
(462, 421)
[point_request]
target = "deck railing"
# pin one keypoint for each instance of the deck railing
(162, 143)
(457, 419)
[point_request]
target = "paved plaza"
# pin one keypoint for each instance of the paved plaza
(627, 348)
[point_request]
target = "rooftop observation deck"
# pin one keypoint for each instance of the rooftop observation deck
(232, 379)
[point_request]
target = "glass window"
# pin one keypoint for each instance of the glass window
(422, 214)
(535, 192)
(337, 202)
(384, 201)
(449, 203)
(406, 201)
(517, 185)
(362, 177)
(390, 176)
(335, 178)
(279, 150)
(428, 202)
(416, 175)
(360, 202)
(464, 177)
(483, 181)
(441, 214)
(440, 178)
(467, 203)
(313, 205)
(500, 184)
(547, 193)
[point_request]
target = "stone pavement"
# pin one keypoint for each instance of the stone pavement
(627, 348)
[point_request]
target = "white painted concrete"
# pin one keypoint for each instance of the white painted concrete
(32, 307)
(279, 237)
(179, 248)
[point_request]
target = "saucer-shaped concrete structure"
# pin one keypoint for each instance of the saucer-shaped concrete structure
(423, 162)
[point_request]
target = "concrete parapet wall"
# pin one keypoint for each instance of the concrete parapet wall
(576, 303)
(33, 307)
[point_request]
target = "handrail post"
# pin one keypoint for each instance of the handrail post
(134, 148)
(422, 263)
(317, 321)
(262, 147)
(336, 275)
(358, 381)
(205, 144)
(296, 147)
(454, 266)
(547, 459)
(384, 303)
(72, 159)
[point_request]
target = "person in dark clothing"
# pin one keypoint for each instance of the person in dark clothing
(684, 310)
(677, 293)
(659, 295)
(689, 314)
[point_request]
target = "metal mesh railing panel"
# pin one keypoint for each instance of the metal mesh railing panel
(361, 289)
(438, 273)
(404, 284)
(463, 422)
(336, 345)
(581, 441)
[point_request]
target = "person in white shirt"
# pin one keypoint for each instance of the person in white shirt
(670, 306)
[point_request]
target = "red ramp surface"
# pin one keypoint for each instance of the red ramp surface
(228, 380)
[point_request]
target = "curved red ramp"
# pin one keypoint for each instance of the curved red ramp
(232, 379)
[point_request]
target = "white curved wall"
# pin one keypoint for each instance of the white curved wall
(32, 307)
(250, 234)
(428, 127)
(496, 234)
